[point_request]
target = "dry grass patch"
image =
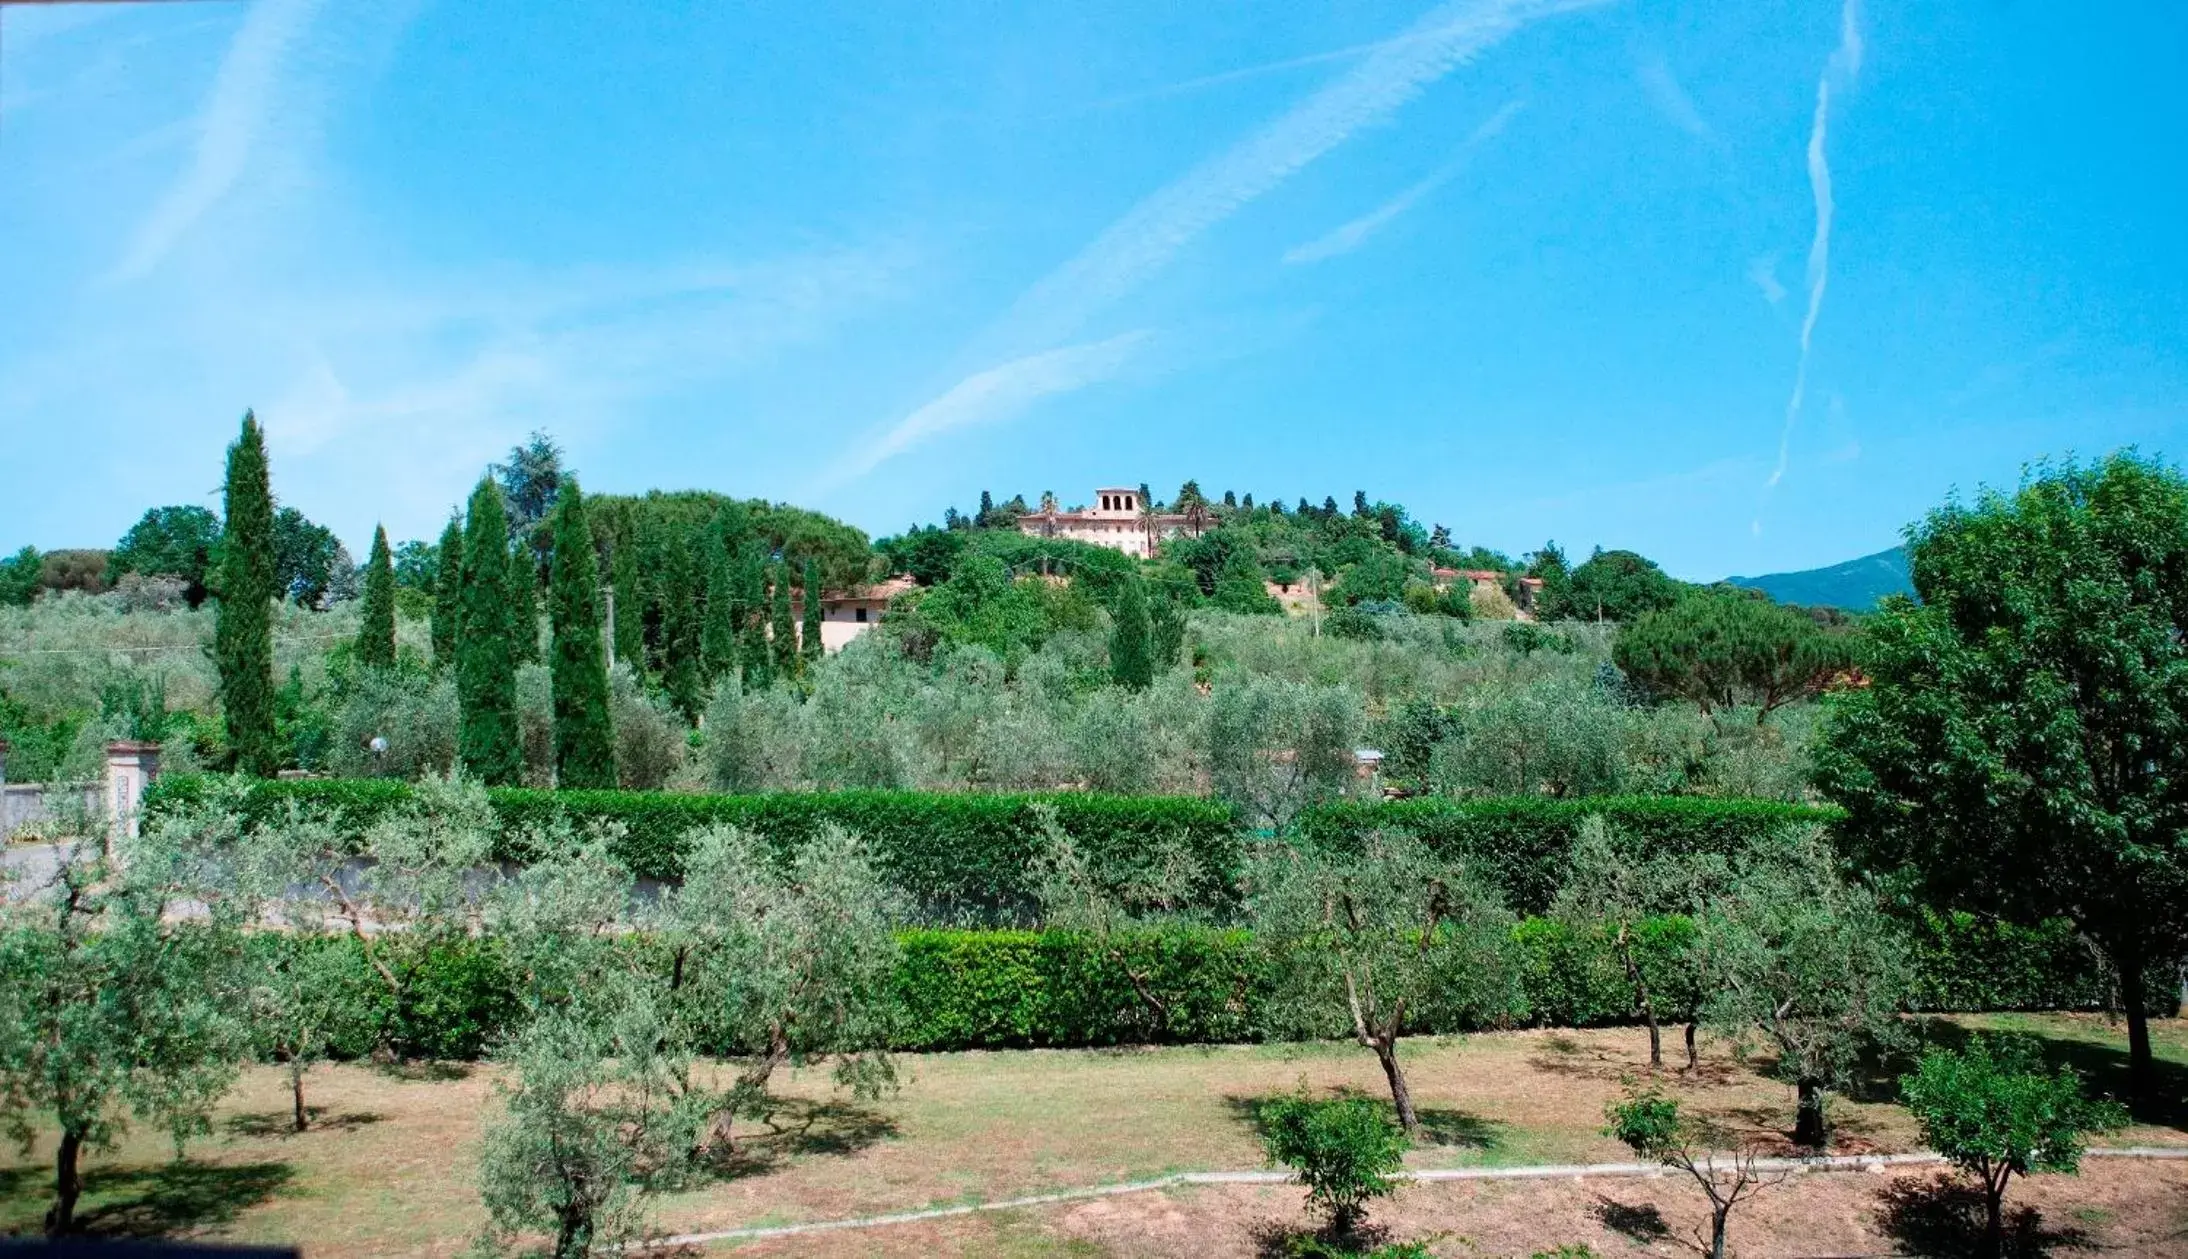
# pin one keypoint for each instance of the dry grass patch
(389, 1170)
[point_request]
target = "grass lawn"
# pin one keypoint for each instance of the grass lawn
(388, 1169)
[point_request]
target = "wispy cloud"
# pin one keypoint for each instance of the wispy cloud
(999, 393)
(1764, 272)
(1350, 236)
(235, 119)
(1146, 238)
(1664, 91)
(1844, 65)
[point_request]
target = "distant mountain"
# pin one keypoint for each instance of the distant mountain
(1856, 585)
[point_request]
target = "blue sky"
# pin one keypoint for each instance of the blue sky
(1744, 287)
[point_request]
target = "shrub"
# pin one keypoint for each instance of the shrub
(1343, 1150)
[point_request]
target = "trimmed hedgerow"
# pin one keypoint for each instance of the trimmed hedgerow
(1521, 843)
(963, 857)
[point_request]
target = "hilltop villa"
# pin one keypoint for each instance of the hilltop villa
(1115, 521)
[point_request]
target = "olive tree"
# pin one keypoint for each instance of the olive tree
(1614, 889)
(113, 1004)
(776, 962)
(597, 1112)
(1276, 746)
(1108, 910)
(1805, 960)
(1377, 942)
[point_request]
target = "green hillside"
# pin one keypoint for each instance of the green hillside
(1856, 585)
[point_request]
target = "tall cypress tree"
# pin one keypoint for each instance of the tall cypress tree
(448, 593)
(782, 630)
(809, 631)
(523, 605)
(1131, 658)
(584, 741)
(243, 625)
(376, 637)
(488, 742)
(681, 666)
(725, 609)
(752, 653)
(630, 606)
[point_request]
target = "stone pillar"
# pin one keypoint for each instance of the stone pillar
(130, 768)
(3, 764)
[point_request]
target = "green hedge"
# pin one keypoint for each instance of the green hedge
(1019, 989)
(1521, 842)
(962, 856)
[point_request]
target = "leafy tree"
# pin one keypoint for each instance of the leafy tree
(782, 628)
(1344, 1150)
(1276, 746)
(19, 575)
(1996, 1113)
(376, 628)
(1380, 578)
(302, 998)
(1618, 586)
(529, 481)
(448, 592)
(417, 566)
(486, 662)
(2019, 749)
(1165, 633)
(246, 588)
(1131, 664)
(584, 740)
(774, 965)
(1717, 649)
(1376, 942)
(114, 1005)
(1108, 911)
(169, 542)
(810, 644)
(1242, 586)
(1805, 959)
(308, 559)
(927, 555)
(1653, 1126)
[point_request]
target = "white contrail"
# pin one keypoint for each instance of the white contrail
(1152, 232)
(235, 115)
(1350, 236)
(1845, 63)
(1139, 244)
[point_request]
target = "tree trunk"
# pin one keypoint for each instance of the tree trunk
(1656, 1040)
(1641, 999)
(68, 1185)
(1387, 1054)
(296, 1094)
(2134, 995)
(1808, 1120)
(574, 1240)
(1717, 1231)
(1994, 1222)
(1694, 1059)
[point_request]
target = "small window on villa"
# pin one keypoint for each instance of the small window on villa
(862, 614)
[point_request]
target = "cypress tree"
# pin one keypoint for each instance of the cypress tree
(523, 605)
(725, 611)
(488, 742)
(782, 630)
(680, 633)
(809, 630)
(630, 602)
(448, 592)
(584, 741)
(1131, 659)
(376, 637)
(759, 670)
(243, 625)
